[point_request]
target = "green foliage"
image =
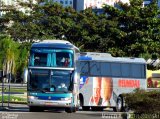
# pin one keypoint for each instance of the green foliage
(141, 101)
(15, 52)
(13, 99)
(137, 26)
(130, 26)
(130, 30)
(8, 49)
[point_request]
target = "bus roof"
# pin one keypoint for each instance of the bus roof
(106, 57)
(95, 54)
(54, 44)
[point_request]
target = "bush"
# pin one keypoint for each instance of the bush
(141, 101)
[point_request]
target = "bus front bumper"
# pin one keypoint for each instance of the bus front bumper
(66, 102)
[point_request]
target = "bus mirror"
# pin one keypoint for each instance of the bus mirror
(25, 75)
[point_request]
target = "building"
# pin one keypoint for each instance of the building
(146, 2)
(98, 4)
(95, 4)
(6, 5)
(78, 5)
(64, 3)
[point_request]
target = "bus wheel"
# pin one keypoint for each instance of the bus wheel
(85, 108)
(119, 105)
(70, 110)
(35, 109)
(32, 109)
(97, 108)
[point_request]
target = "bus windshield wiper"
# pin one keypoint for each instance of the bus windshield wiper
(43, 91)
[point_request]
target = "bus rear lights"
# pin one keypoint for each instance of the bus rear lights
(65, 99)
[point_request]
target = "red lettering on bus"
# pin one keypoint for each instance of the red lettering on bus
(129, 83)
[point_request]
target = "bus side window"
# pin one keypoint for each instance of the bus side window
(40, 59)
(67, 62)
(37, 61)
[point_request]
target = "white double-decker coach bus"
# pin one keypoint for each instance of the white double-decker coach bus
(105, 78)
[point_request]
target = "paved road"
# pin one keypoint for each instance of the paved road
(22, 112)
(59, 115)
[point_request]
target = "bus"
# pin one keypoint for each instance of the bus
(105, 78)
(52, 76)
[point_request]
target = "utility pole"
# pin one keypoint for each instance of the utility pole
(2, 76)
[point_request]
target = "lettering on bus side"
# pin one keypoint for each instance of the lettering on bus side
(129, 83)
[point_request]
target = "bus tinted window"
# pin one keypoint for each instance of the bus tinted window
(116, 69)
(64, 59)
(137, 71)
(125, 70)
(40, 59)
(113, 69)
(105, 68)
(51, 58)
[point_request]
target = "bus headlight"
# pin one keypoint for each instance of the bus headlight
(32, 97)
(66, 99)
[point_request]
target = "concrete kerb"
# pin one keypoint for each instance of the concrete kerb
(14, 107)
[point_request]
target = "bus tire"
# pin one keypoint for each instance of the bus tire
(119, 105)
(32, 109)
(97, 108)
(81, 100)
(35, 109)
(70, 110)
(85, 108)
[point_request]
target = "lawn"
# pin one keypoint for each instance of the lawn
(13, 99)
(18, 90)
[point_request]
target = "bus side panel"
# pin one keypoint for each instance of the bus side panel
(104, 91)
(86, 89)
(125, 85)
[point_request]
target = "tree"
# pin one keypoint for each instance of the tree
(126, 30)
(137, 28)
(13, 57)
(46, 21)
(9, 51)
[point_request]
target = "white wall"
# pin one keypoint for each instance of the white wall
(83, 4)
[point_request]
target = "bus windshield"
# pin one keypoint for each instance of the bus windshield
(41, 57)
(51, 81)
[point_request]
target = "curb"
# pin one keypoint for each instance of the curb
(14, 102)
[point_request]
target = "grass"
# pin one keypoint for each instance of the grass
(19, 90)
(13, 99)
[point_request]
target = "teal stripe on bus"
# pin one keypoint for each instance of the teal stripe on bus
(51, 94)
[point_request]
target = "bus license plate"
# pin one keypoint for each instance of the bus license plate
(49, 103)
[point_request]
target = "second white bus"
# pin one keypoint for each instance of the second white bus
(105, 78)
